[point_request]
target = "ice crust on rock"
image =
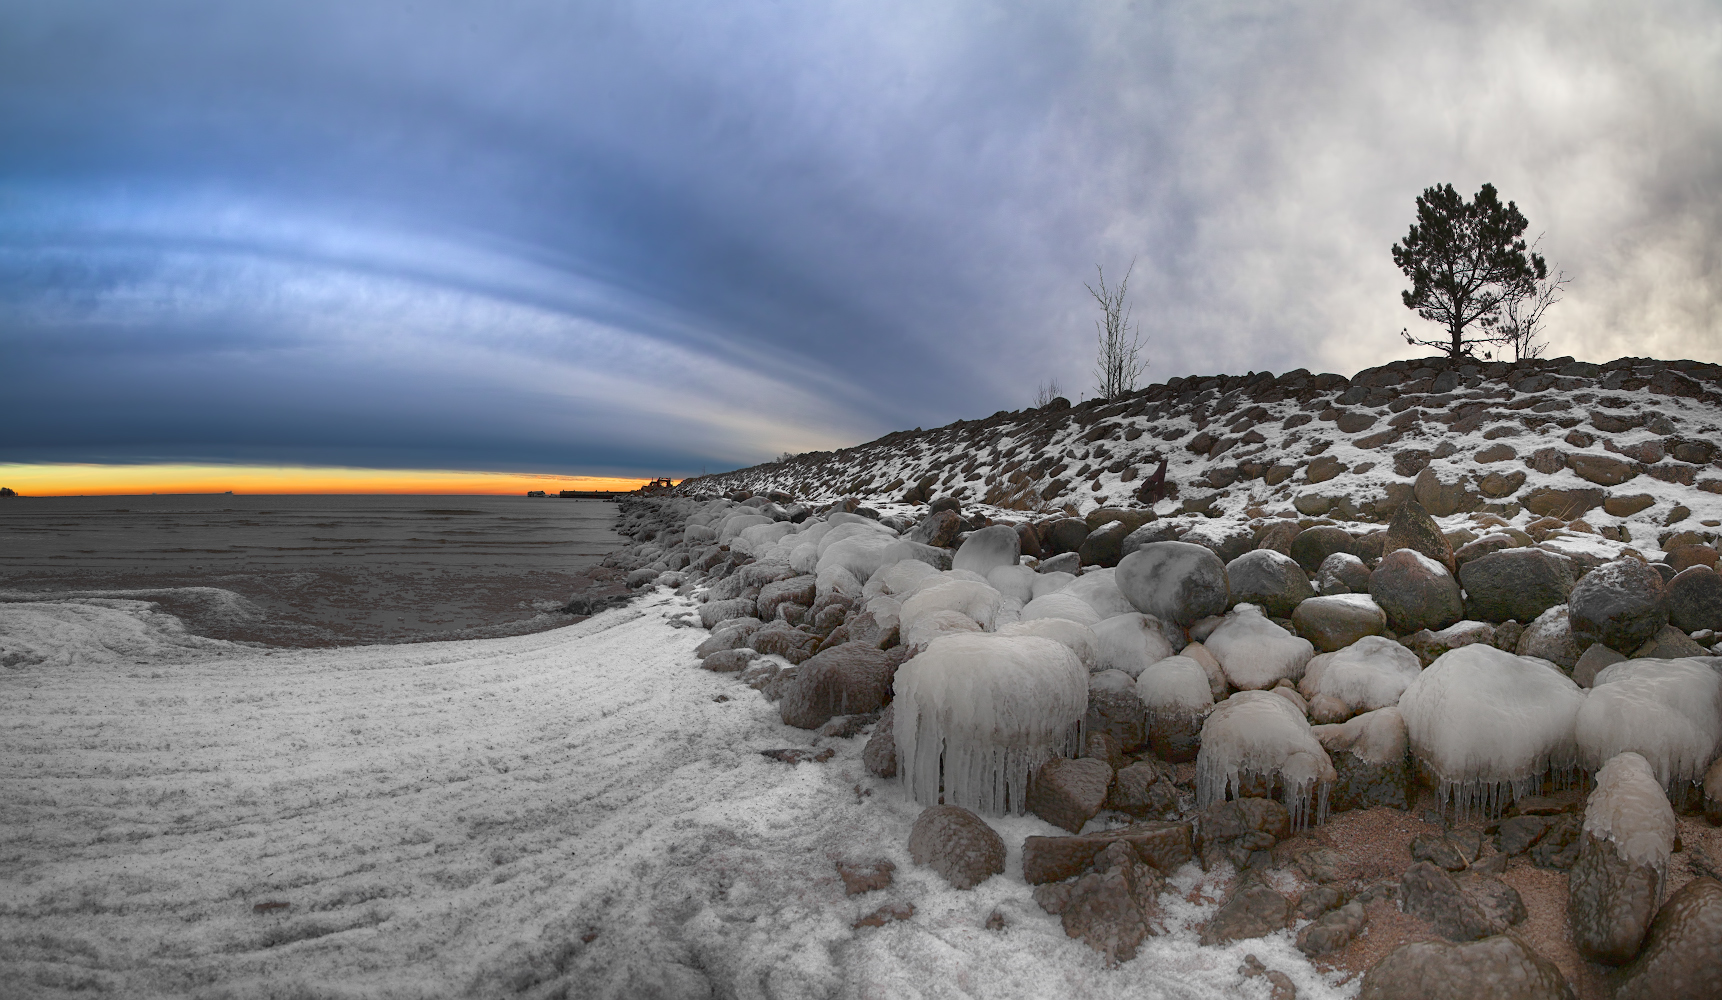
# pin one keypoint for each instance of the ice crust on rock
(976, 600)
(928, 627)
(987, 549)
(1667, 711)
(1130, 642)
(1077, 637)
(1014, 582)
(897, 577)
(1376, 737)
(1217, 682)
(1258, 734)
(1098, 588)
(1629, 810)
(1487, 723)
(1370, 673)
(1256, 653)
(1060, 605)
(1051, 583)
(1176, 685)
(977, 714)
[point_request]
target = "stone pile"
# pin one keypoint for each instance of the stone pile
(1301, 664)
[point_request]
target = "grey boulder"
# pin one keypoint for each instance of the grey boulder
(1174, 581)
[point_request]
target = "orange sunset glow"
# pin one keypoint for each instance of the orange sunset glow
(113, 480)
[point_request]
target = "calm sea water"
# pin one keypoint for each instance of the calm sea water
(313, 570)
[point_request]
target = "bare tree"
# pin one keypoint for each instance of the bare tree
(1118, 362)
(1046, 393)
(1523, 319)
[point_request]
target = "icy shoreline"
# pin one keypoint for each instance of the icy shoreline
(567, 813)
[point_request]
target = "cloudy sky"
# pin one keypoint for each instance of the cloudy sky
(644, 238)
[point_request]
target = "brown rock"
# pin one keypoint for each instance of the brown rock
(1610, 902)
(861, 877)
(1332, 931)
(1694, 599)
(1322, 468)
(1415, 592)
(1682, 954)
(885, 914)
(729, 661)
(880, 754)
(1566, 504)
(1626, 506)
(1069, 792)
(1496, 453)
(1278, 536)
(1601, 469)
(1334, 622)
(1313, 545)
(1413, 528)
(1253, 911)
(844, 680)
(1354, 421)
(1682, 557)
(1618, 604)
(1164, 845)
(1410, 462)
(957, 844)
(938, 529)
(1141, 791)
(1495, 968)
(1444, 492)
(1476, 907)
(1501, 484)
(1113, 908)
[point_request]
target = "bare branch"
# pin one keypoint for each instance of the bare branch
(1118, 360)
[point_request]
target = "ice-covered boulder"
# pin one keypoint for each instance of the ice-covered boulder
(1488, 723)
(1668, 711)
(1217, 682)
(987, 549)
(1176, 695)
(976, 600)
(1060, 605)
(1369, 674)
(897, 578)
(1616, 885)
(1272, 580)
(1051, 582)
(1416, 592)
(837, 579)
(735, 524)
(1130, 643)
(1371, 755)
(977, 714)
(1077, 637)
(1115, 710)
(934, 625)
(1098, 589)
(1256, 653)
(1256, 737)
(861, 553)
(1014, 582)
(1176, 582)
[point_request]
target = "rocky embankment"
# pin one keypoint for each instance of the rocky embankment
(1467, 749)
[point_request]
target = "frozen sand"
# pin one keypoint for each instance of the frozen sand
(568, 813)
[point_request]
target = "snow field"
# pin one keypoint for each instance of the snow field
(569, 813)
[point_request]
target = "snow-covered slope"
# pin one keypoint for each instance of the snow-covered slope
(1620, 446)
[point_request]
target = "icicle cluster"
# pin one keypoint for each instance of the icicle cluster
(977, 713)
(1491, 726)
(1258, 734)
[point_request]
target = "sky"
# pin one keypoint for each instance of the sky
(641, 239)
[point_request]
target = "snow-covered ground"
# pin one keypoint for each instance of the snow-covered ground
(581, 813)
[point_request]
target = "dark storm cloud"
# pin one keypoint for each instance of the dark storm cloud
(585, 237)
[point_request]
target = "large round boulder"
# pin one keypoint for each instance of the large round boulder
(1342, 573)
(1269, 579)
(1515, 584)
(1063, 535)
(1416, 592)
(958, 845)
(1619, 604)
(1550, 638)
(1496, 968)
(987, 549)
(1174, 581)
(1334, 622)
(1682, 955)
(1694, 599)
(1312, 546)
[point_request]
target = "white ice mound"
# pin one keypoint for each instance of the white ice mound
(976, 714)
(1487, 722)
(1098, 588)
(1060, 605)
(1014, 582)
(1667, 711)
(1130, 642)
(736, 523)
(1370, 673)
(898, 577)
(1175, 686)
(1629, 810)
(1077, 637)
(861, 553)
(836, 579)
(1256, 653)
(938, 624)
(758, 539)
(1257, 735)
(1376, 737)
(976, 600)
(1051, 583)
